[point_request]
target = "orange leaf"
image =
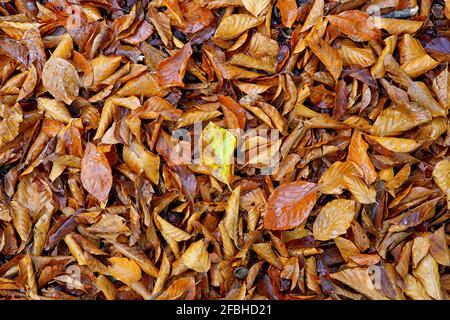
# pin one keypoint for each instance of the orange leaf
(171, 71)
(288, 12)
(124, 269)
(357, 153)
(354, 24)
(328, 55)
(289, 205)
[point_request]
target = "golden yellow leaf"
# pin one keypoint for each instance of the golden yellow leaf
(334, 219)
(360, 190)
(163, 274)
(420, 248)
(103, 66)
(192, 116)
(419, 92)
(332, 181)
(419, 65)
(255, 7)
(328, 55)
(397, 144)
(171, 231)
(392, 121)
(107, 287)
(234, 25)
(196, 257)
(360, 280)
(357, 154)
(395, 26)
(12, 117)
(353, 55)
(441, 175)
(54, 109)
(439, 248)
(232, 215)
(21, 220)
(244, 60)
(140, 160)
(428, 273)
(414, 289)
(315, 13)
(346, 248)
(124, 269)
(265, 251)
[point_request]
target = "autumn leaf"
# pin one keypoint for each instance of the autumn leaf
(289, 205)
(12, 117)
(196, 257)
(288, 12)
(234, 25)
(439, 248)
(328, 55)
(428, 273)
(60, 78)
(334, 219)
(396, 144)
(218, 146)
(360, 280)
(313, 15)
(171, 71)
(255, 7)
(96, 175)
(355, 24)
(232, 215)
(442, 178)
(395, 26)
(357, 154)
(124, 269)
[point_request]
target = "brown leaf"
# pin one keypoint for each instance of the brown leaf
(439, 248)
(96, 175)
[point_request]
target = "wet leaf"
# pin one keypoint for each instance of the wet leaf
(355, 24)
(60, 78)
(289, 205)
(96, 175)
(334, 219)
(171, 71)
